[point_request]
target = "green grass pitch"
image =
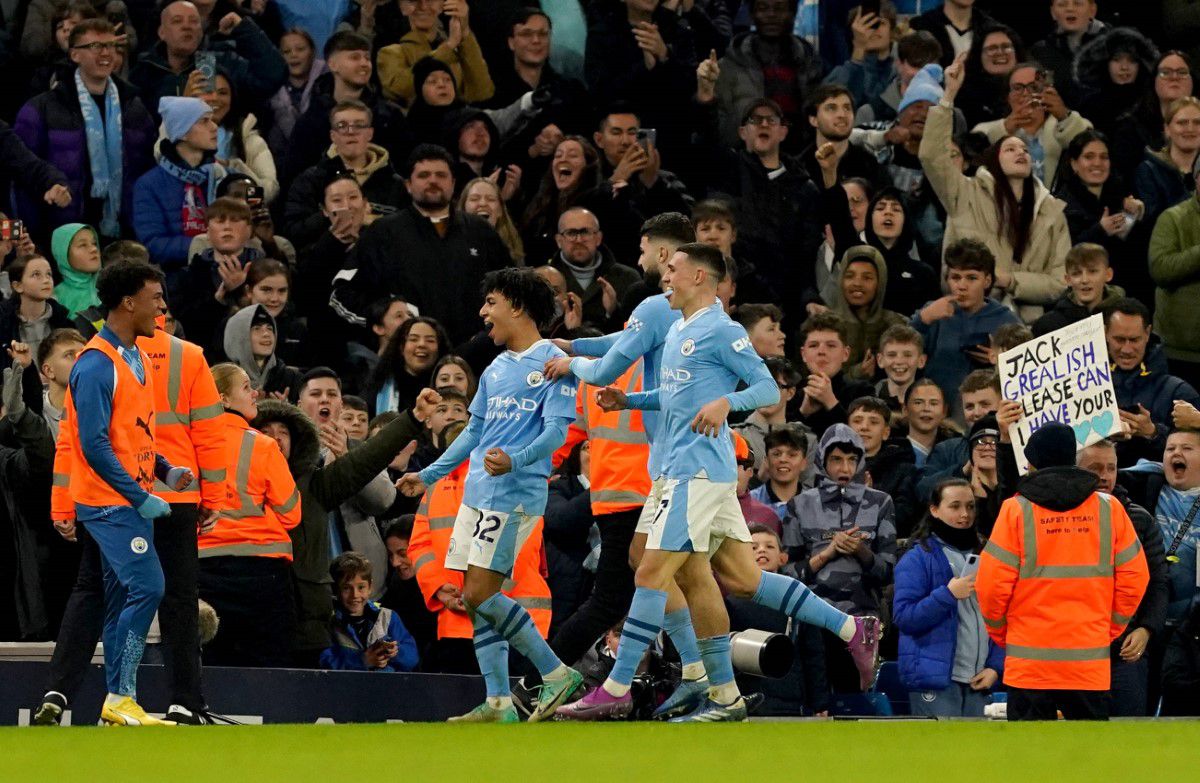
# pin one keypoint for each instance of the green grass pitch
(966, 752)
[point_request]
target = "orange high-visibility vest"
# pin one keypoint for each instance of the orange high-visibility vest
(262, 502)
(186, 408)
(1057, 587)
(427, 548)
(620, 451)
(130, 431)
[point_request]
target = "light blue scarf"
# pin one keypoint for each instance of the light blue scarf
(207, 175)
(104, 151)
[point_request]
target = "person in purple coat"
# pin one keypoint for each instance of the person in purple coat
(95, 130)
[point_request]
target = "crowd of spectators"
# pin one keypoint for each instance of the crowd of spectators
(902, 190)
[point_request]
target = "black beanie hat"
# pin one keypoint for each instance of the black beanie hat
(1051, 446)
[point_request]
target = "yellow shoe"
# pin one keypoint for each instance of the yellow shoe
(127, 712)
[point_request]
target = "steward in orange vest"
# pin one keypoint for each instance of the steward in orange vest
(186, 407)
(245, 559)
(1059, 580)
(454, 651)
(619, 482)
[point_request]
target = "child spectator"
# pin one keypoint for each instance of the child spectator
(947, 661)
(957, 328)
(901, 356)
(785, 463)
(804, 689)
(761, 322)
(250, 340)
(841, 539)
(890, 464)
(216, 277)
(269, 283)
(76, 251)
(55, 358)
(451, 409)
(385, 316)
(365, 636)
(763, 421)
(980, 395)
(454, 372)
(293, 98)
(355, 418)
(1088, 275)
(825, 351)
(31, 313)
(925, 415)
(858, 300)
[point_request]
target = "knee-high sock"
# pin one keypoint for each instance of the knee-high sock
(793, 598)
(514, 624)
(718, 659)
(492, 653)
(678, 625)
(643, 623)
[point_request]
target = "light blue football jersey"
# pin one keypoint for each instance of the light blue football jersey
(704, 358)
(642, 338)
(513, 401)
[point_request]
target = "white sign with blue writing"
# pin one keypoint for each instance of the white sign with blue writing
(1061, 376)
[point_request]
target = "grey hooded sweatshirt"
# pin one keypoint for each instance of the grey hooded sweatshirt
(850, 583)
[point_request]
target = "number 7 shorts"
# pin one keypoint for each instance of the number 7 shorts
(488, 539)
(696, 515)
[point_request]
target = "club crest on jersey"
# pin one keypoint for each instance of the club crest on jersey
(535, 378)
(741, 344)
(688, 347)
(139, 546)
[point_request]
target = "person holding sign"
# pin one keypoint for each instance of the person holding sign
(1059, 580)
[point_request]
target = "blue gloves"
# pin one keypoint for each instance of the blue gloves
(175, 475)
(154, 507)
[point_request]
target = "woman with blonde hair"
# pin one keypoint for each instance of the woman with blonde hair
(1164, 178)
(482, 197)
(245, 559)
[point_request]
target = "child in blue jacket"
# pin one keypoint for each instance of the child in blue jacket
(947, 661)
(366, 637)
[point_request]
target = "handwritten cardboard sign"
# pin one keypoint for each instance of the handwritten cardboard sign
(1061, 376)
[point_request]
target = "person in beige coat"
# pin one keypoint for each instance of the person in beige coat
(1030, 243)
(1036, 110)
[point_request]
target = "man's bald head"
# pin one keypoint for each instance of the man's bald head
(180, 28)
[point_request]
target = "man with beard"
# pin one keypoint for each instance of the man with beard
(445, 253)
(830, 111)
(589, 268)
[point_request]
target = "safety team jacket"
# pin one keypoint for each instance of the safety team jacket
(130, 432)
(262, 502)
(620, 450)
(1057, 584)
(427, 548)
(186, 408)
